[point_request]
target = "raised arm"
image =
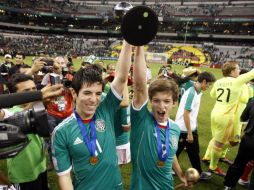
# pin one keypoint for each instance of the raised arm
(122, 68)
(139, 78)
(244, 78)
(125, 101)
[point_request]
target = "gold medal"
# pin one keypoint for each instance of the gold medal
(93, 160)
(160, 163)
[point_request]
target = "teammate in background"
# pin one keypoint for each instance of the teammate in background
(227, 92)
(84, 143)
(122, 129)
(154, 136)
(186, 118)
(246, 94)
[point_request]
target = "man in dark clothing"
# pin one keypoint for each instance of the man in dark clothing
(245, 152)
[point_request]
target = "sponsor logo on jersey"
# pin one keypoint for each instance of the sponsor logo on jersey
(100, 125)
(77, 141)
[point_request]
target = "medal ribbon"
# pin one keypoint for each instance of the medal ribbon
(159, 143)
(89, 141)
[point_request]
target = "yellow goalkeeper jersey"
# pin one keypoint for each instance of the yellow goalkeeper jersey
(227, 92)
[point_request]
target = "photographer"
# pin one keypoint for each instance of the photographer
(37, 65)
(27, 170)
(62, 106)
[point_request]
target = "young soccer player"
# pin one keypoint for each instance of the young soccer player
(154, 137)
(84, 143)
(227, 92)
(186, 118)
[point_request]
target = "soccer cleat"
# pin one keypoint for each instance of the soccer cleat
(217, 171)
(205, 161)
(226, 160)
(205, 176)
(243, 182)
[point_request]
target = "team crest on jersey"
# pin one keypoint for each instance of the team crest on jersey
(174, 142)
(100, 125)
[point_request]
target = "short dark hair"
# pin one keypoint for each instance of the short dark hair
(21, 53)
(16, 79)
(88, 75)
(209, 77)
(164, 85)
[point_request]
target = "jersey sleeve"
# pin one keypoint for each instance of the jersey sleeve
(189, 100)
(244, 78)
(111, 102)
(123, 116)
(138, 115)
(60, 153)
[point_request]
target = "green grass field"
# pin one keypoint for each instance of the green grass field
(216, 183)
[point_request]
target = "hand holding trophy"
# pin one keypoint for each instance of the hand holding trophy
(139, 24)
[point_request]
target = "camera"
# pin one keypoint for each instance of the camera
(48, 66)
(56, 79)
(31, 121)
(13, 130)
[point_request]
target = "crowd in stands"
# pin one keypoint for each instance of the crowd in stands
(161, 8)
(60, 45)
(64, 45)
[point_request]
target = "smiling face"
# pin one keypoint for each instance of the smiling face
(88, 99)
(19, 59)
(162, 104)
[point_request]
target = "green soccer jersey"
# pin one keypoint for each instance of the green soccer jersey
(185, 86)
(30, 162)
(227, 91)
(121, 118)
(70, 152)
(146, 174)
